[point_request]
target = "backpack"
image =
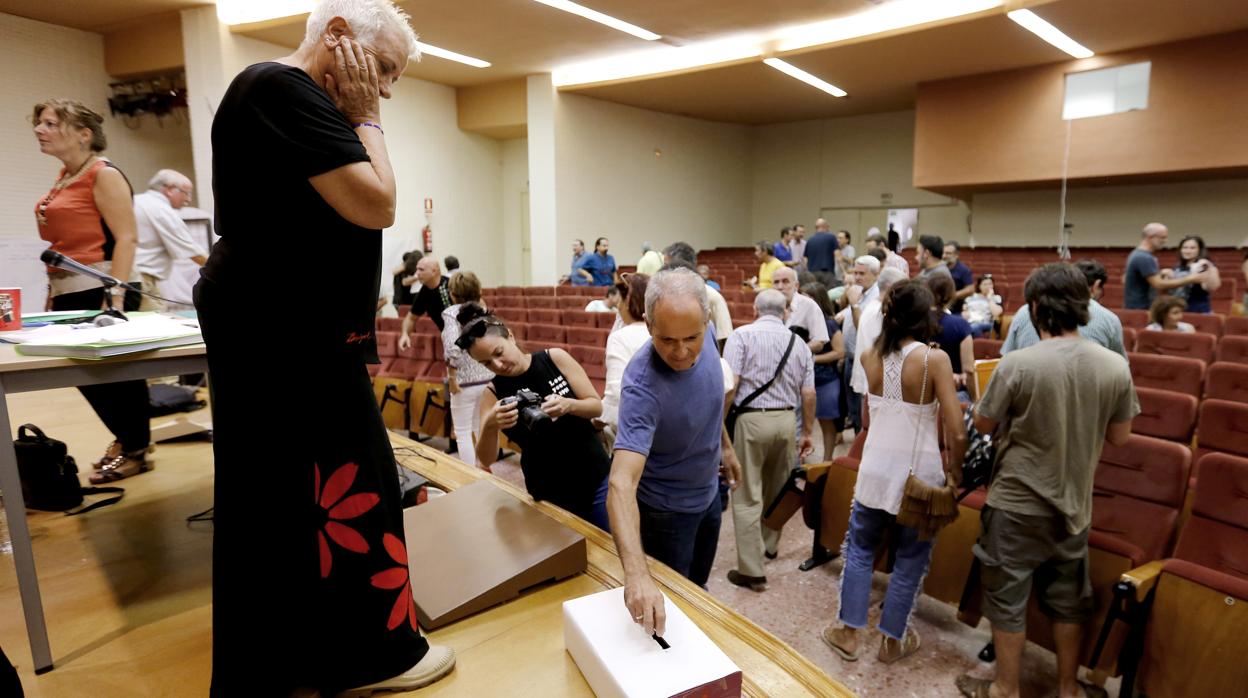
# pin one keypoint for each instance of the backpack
(50, 476)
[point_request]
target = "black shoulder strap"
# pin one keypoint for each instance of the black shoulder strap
(763, 388)
(118, 491)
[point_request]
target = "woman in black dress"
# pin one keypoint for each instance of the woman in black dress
(310, 576)
(562, 455)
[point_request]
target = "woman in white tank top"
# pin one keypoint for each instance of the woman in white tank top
(908, 382)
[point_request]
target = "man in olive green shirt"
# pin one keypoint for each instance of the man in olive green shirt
(1058, 402)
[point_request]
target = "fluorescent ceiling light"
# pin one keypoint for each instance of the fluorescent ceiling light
(795, 72)
(428, 50)
(600, 18)
(899, 14)
(667, 59)
(1031, 22)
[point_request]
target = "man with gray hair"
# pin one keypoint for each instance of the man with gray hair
(683, 254)
(870, 324)
(773, 377)
(804, 312)
(163, 235)
(671, 447)
(860, 291)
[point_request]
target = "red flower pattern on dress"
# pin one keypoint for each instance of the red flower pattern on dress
(340, 508)
(397, 578)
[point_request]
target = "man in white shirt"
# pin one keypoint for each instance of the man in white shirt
(892, 259)
(803, 311)
(163, 236)
(870, 320)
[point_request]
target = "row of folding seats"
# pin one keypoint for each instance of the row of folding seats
(564, 290)
(423, 325)
(422, 361)
(558, 334)
(567, 318)
(1215, 324)
(542, 302)
(1151, 344)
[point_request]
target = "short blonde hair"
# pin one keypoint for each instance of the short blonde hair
(366, 18)
(76, 115)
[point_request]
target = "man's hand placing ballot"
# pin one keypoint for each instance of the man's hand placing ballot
(645, 603)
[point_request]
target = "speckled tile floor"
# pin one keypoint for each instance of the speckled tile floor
(798, 605)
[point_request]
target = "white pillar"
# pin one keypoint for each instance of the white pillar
(545, 258)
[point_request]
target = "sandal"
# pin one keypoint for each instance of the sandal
(834, 637)
(120, 467)
(895, 650)
(113, 452)
(972, 687)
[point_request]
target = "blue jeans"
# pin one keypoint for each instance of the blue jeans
(980, 329)
(598, 515)
(684, 542)
(866, 529)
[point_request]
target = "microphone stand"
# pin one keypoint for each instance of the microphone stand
(109, 284)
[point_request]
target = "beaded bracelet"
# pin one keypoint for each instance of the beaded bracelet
(369, 123)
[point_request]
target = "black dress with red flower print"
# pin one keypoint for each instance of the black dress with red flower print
(310, 584)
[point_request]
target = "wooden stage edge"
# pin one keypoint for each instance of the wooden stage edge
(770, 667)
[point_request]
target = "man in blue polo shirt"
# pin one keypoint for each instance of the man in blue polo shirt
(600, 265)
(664, 491)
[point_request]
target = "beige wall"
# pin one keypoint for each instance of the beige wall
(1216, 210)
(611, 183)
(515, 211)
(44, 60)
(849, 170)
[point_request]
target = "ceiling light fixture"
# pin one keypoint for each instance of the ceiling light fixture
(596, 16)
(795, 72)
(429, 50)
(899, 14)
(1033, 23)
(656, 61)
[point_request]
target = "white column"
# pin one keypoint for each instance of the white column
(543, 225)
(206, 77)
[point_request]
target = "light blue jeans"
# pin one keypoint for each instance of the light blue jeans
(866, 530)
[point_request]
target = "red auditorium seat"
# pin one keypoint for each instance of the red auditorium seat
(987, 348)
(1167, 373)
(1136, 319)
(1223, 428)
(1233, 349)
(543, 316)
(389, 324)
(1138, 494)
(605, 320)
(592, 359)
(1205, 322)
(1128, 338)
(1195, 345)
(742, 311)
(588, 336)
(547, 302)
(509, 302)
(424, 325)
(519, 330)
(1227, 381)
(403, 310)
(1236, 325)
(539, 291)
(567, 291)
(1165, 414)
(578, 318)
(387, 351)
(1193, 642)
(569, 303)
(511, 290)
(545, 335)
(512, 315)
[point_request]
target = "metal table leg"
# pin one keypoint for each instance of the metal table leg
(23, 552)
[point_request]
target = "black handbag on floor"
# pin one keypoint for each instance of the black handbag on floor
(50, 475)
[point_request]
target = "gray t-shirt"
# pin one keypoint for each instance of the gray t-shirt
(938, 269)
(1137, 293)
(1055, 401)
(1103, 327)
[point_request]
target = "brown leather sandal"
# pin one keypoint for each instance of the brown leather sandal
(120, 467)
(894, 650)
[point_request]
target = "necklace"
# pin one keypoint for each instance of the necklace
(62, 182)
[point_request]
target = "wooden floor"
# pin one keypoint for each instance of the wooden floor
(126, 589)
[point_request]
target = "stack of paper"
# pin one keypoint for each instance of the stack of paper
(144, 332)
(619, 660)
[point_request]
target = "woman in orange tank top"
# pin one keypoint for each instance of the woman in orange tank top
(88, 215)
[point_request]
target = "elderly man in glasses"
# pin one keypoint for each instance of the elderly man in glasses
(163, 235)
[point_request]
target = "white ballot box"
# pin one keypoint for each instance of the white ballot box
(619, 660)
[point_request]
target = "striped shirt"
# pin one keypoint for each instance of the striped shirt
(754, 351)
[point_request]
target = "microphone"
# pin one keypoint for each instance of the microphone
(60, 261)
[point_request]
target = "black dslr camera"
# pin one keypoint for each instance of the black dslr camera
(529, 406)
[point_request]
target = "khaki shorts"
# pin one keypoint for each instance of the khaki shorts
(1019, 553)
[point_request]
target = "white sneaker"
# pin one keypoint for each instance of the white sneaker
(437, 662)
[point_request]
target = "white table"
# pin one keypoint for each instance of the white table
(20, 374)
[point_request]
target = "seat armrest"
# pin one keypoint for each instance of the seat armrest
(816, 471)
(1142, 579)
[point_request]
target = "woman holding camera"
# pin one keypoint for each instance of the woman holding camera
(543, 402)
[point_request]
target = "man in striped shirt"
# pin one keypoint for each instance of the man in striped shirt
(765, 434)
